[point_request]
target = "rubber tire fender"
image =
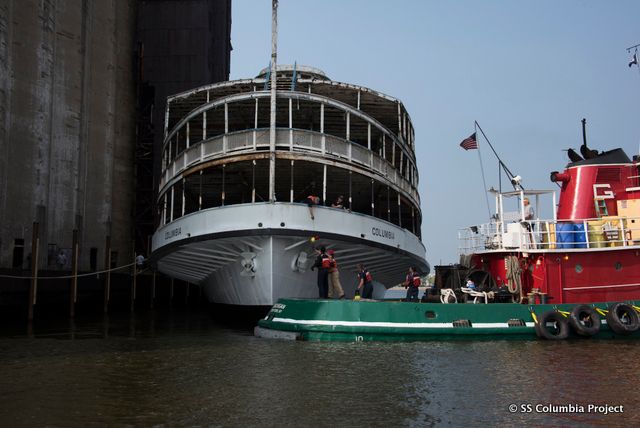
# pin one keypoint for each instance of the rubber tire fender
(578, 314)
(559, 319)
(615, 315)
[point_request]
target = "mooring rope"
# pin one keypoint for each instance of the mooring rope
(514, 282)
(72, 276)
(445, 293)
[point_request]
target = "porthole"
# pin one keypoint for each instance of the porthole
(282, 224)
(618, 266)
(259, 224)
(579, 268)
(430, 314)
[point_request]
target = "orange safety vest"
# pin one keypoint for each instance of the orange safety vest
(416, 281)
(326, 262)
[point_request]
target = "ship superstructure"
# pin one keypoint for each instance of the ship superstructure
(232, 208)
(586, 253)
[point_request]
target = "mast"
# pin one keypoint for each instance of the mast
(272, 128)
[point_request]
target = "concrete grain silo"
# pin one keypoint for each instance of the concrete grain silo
(67, 130)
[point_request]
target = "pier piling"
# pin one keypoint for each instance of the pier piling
(107, 267)
(33, 288)
(133, 280)
(153, 290)
(73, 293)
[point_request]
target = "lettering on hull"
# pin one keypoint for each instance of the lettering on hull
(376, 231)
(172, 233)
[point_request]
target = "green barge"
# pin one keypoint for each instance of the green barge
(371, 320)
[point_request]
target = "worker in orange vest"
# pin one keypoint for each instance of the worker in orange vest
(365, 285)
(412, 283)
(322, 263)
(335, 288)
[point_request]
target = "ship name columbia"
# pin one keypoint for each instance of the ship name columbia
(172, 233)
(382, 233)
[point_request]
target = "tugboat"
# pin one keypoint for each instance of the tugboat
(574, 275)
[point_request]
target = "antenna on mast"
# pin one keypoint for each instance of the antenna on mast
(634, 61)
(634, 57)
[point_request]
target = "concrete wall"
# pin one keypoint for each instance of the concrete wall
(67, 126)
(186, 44)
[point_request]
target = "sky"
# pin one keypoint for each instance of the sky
(526, 71)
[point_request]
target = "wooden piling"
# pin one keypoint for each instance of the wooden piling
(186, 295)
(107, 267)
(33, 288)
(171, 292)
(73, 294)
(133, 280)
(153, 290)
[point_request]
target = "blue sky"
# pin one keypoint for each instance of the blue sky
(527, 71)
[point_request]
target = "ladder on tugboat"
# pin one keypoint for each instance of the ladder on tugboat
(601, 207)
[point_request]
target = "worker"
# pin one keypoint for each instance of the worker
(365, 285)
(412, 284)
(322, 263)
(312, 200)
(335, 288)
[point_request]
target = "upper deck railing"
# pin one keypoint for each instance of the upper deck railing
(551, 235)
(293, 140)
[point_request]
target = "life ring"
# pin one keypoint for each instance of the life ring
(560, 329)
(623, 319)
(584, 320)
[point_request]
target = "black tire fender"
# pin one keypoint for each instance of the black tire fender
(584, 320)
(623, 319)
(561, 330)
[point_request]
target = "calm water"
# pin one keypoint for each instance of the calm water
(182, 369)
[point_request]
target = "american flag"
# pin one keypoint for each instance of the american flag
(470, 142)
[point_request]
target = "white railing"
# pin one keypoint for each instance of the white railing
(605, 232)
(298, 140)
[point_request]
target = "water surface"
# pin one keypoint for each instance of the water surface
(182, 368)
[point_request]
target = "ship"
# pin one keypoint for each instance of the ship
(240, 161)
(573, 275)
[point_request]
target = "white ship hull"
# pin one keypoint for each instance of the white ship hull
(254, 254)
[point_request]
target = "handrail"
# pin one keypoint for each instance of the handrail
(403, 145)
(592, 233)
(197, 154)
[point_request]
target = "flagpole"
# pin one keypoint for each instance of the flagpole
(502, 164)
(484, 181)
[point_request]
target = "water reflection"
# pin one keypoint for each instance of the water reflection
(183, 369)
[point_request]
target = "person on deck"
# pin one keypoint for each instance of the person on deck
(339, 203)
(529, 215)
(528, 210)
(335, 288)
(365, 285)
(412, 284)
(322, 263)
(312, 200)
